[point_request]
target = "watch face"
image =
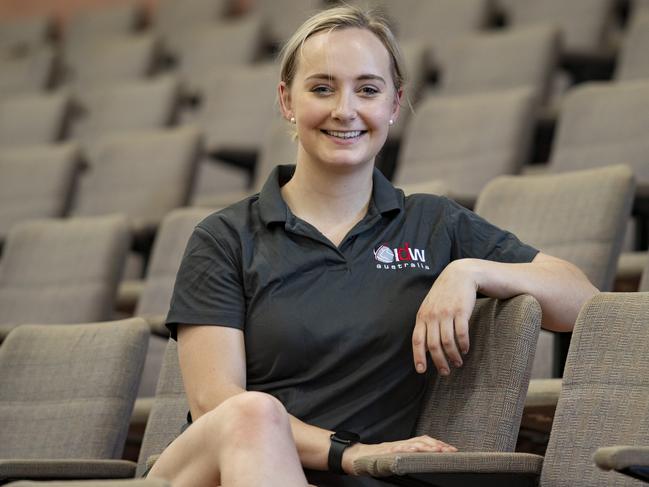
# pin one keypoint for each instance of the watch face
(347, 436)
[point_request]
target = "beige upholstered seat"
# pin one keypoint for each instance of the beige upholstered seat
(142, 175)
(283, 17)
(30, 73)
(20, 35)
(32, 119)
(125, 107)
(36, 182)
(61, 271)
(107, 61)
(173, 18)
(501, 60)
(578, 216)
(644, 282)
(112, 20)
(633, 60)
(94, 483)
(67, 393)
(467, 140)
(603, 402)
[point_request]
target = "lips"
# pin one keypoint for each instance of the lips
(344, 134)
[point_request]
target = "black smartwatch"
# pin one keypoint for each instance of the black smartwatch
(340, 441)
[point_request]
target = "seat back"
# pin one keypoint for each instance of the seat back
(20, 35)
(36, 182)
(68, 390)
(605, 390)
(633, 60)
(125, 107)
(283, 17)
(479, 406)
(30, 73)
(525, 57)
(279, 147)
(602, 124)
(644, 281)
(142, 175)
(62, 271)
(32, 119)
(467, 140)
(168, 248)
(119, 19)
(169, 411)
(173, 18)
(578, 216)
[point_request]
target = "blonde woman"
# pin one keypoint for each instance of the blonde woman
(327, 293)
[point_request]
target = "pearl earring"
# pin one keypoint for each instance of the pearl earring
(292, 119)
(391, 122)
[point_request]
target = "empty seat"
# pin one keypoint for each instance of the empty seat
(578, 216)
(67, 393)
(30, 73)
(283, 17)
(61, 271)
(644, 283)
(102, 22)
(97, 63)
(36, 182)
(173, 18)
(125, 107)
(33, 119)
(467, 140)
(20, 35)
(142, 175)
(525, 57)
(633, 60)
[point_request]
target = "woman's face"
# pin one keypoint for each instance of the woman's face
(342, 97)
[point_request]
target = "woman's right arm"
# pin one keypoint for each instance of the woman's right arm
(213, 364)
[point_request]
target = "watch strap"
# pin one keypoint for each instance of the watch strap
(335, 460)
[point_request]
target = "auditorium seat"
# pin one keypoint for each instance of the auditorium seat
(644, 282)
(61, 271)
(105, 61)
(36, 182)
(35, 119)
(67, 393)
(142, 175)
(478, 407)
(18, 36)
(125, 107)
(94, 483)
(283, 17)
(465, 141)
(501, 60)
(428, 187)
(102, 22)
(603, 401)
(30, 73)
(578, 216)
(633, 59)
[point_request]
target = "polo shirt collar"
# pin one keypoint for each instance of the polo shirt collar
(273, 208)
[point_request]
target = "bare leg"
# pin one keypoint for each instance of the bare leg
(246, 441)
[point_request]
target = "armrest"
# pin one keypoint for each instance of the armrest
(543, 393)
(157, 325)
(103, 483)
(629, 460)
(128, 294)
(460, 462)
(64, 469)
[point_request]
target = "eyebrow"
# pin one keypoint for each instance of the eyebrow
(362, 77)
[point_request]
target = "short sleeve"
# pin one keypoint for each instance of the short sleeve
(474, 237)
(208, 288)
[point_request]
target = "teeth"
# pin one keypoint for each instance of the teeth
(344, 135)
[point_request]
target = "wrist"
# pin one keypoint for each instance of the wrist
(468, 269)
(350, 454)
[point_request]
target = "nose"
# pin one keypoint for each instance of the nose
(344, 109)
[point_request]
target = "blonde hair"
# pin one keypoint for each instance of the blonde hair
(345, 17)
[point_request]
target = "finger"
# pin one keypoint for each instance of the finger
(462, 332)
(447, 336)
(435, 348)
(419, 346)
(438, 443)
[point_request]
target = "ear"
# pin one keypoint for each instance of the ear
(396, 105)
(285, 104)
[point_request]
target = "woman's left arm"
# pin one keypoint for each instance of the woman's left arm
(442, 326)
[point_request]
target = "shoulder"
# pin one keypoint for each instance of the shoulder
(231, 222)
(430, 205)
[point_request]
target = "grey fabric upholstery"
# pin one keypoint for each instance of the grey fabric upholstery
(36, 182)
(428, 187)
(525, 57)
(237, 106)
(644, 282)
(479, 406)
(602, 124)
(62, 271)
(32, 119)
(283, 17)
(68, 390)
(142, 175)
(125, 107)
(467, 140)
(20, 35)
(90, 25)
(173, 18)
(578, 216)
(583, 23)
(30, 73)
(95, 483)
(103, 62)
(65, 468)
(633, 60)
(605, 390)
(169, 411)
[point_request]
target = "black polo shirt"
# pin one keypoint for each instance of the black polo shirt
(328, 329)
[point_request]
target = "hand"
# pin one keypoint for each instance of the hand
(418, 444)
(442, 325)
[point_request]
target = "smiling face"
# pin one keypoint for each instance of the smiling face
(342, 98)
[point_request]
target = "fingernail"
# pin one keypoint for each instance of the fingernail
(457, 363)
(443, 371)
(465, 351)
(420, 367)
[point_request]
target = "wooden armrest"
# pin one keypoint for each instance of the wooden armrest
(64, 469)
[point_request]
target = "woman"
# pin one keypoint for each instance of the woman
(329, 288)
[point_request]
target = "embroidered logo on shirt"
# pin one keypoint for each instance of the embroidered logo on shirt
(403, 257)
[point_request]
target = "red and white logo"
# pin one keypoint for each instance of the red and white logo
(404, 257)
